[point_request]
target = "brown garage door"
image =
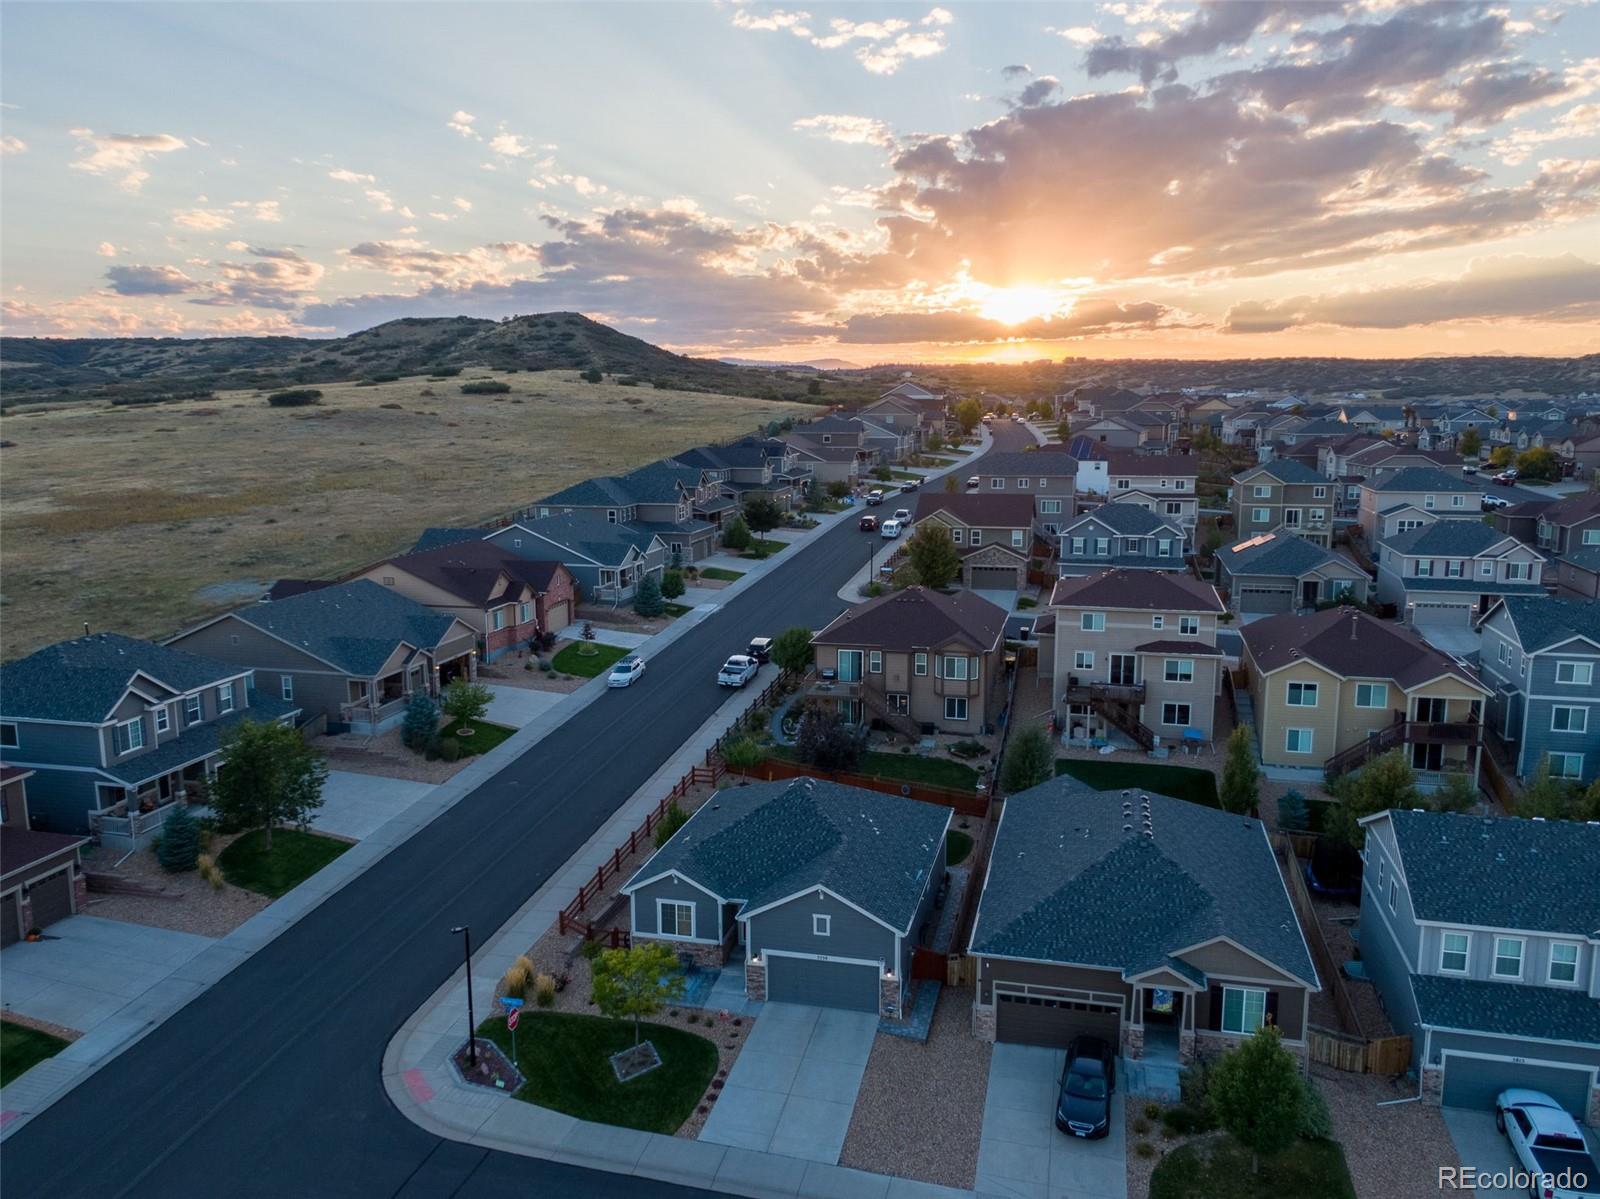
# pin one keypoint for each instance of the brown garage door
(1036, 1020)
(558, 616)
(52, 898)
(10, 934)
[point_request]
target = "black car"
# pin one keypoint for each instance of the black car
(909, 485)
(1090, 1075)
(760, 649)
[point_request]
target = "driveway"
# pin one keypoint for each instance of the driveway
(518, 707)
(357, 805)
(1481, 1147)
(793, 1088)
(614, 637)
(1004, 600)
(1021, 1153)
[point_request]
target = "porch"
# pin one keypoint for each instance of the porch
(125, 826)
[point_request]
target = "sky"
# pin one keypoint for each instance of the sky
(872, 181)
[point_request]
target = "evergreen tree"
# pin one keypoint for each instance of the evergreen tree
(180, 841)
(672, 584)
(647, 599)
(421, 722)
(1030, 760)
(933, 556)
(1241, 779)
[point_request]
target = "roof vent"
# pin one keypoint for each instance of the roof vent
(1127, 828)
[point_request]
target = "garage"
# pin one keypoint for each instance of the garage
(1473, 1082)
(1434, 615)
(823, 983)
(10, 929)
(992, 578)
(1265, 599)
(52, 898)
(558, 616)
(1040, 1020)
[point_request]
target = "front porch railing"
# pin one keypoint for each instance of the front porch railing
(366, 712)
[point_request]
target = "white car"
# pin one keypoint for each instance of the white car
(737, 671)
(903, 515)
(1548, 1144)
(890, 529)
(972, 482)
(626, 671)
(1495, 501)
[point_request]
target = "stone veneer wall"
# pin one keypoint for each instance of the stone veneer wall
(1214, 1045)
(755, 980)
(697, 952)
(889, 997)
(983, 1022)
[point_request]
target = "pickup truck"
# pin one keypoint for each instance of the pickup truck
(1548, 1144)
(737, 671)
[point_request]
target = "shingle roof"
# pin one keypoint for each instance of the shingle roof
(81, 680)
(769, 841)
(1422, 478)
(197, 741)
(435, 537)
(588, 534)
(1509, 1009)
(471, 570)
(606, 490)
(21, 847)
(1574, 508)
(1128, 520)
(1119, 589)
(1350, 643)
(1131, 462)
(353, 626)
(999, 509)
(1277, 554)
(1453, 538)
(1545, 622)
(1285, 471)
(1194, 649)
(918, 618)
(1069, 883)
(1587, 559)
(1026, 462)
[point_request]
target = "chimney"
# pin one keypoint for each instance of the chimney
(86, 628)
(1355, 623)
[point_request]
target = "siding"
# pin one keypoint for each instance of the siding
(852, 935)
(59, 800)
(1582, 1055)
(1081, 980)
(707, 926)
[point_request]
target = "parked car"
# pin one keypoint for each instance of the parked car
(890, 528)
(973, 481)
(737, 671)
(908, 485)
(988, 418)
(1495, 501)
(760, 649)
(626, 671)
(875, 497)
(1083, 1107)
(1506, 478)
(868, 523)
(903, 515)
(1548, 1143)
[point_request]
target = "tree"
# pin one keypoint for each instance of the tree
(933, 555)
(1383, 783)
(1293, 816)
(672, 584)
(647, 599)
(1539, 463)
(950, 484)
(736, 534)
(269, 776)
(1257, 1094)
(1030, 760)
(592, 375)
(633, 983)
(674, 819)
(465, 701)
(791, 649)
(882, 473)
(1470, 443)
(838, 489)
(1500, 457)
(1241, 779)
(935, 442)
(1063, 430)
(180, 841)
(421, 722)
(762, 515)
(814, 388)
(968, 414)
(1458, 794)
(825, 740)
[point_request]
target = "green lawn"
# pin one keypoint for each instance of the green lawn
(485, 736)
(1180, 782)
(764, 548)
(564, 1058)
(587, 658)
(1219, 1168)
(23, 1048)
(956, 848)
(906, 768)
(295, 857)
(676, 610)
(717, 572)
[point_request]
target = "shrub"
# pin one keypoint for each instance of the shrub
(736, 534)
(421, 721)
(968, 749)
(590, 950)
(544, 990)
(1030, 760)
(295, 398)
(674, 819)
(1152, 1111)
(1316, 1124)
(825, 740)
(210, 871)
(445, 372)
(465, 701)
(592, 375)
(518, 978)
(485, 387)
(385, 378)
(1186, 1121)
(180, 841)
(1144, 1149)
(1141, 1126)
(672, 584)
(449, 749)
(742, 754)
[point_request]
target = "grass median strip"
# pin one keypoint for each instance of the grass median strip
(588, 659)
(295, 856)
(22, 1048)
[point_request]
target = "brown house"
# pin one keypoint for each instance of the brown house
(992, 531)
(41, 877)
(916, 660)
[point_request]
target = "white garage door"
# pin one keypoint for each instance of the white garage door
(1441, 615)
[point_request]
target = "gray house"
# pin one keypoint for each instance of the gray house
(1541, 661)
(1449, 573)
(1127, 536)
(117, 731)
(1482, 935)
(1157, 924)
(1283, 572)
(821, 890)
(682, 504)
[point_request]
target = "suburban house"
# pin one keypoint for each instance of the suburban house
(115, 729)
(1449, 573)
(1578, 573)
(1281, 572)
(1382, 458)
(1541, 661)
(41, 874)
(753, 468)
(889, 443)
(1117, 432)
(1333, 458)
(607, 560)
(1164, 482)
(1424, 487)
(992, 531)
(907, 416)
(931, 408)
(1159, 925)
(1374, 418)
(1284, 495)
(1481, 935)
(1135, 652)
(822, 890)
(1569, 524)
(1586, 454)
(833, 463)
(1125, 536)
(917, 660)
(1339, 687)
(506, 598)
(1051, 479)
(1402, 518)
(355, 652)
(683, 505)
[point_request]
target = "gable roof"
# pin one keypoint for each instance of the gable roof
(471, 570)
(1466, 538)
(1073, 878)
(1026, 462)
(1284, 471)
(1128, 520)
(588, 534)
(1573, 508)
(1544, 622)
(439, 535)
(916, 619)
(997, 509)
(81, 680)
(1137, 589)
(1279, 554)
(768, 841)
(1421, 478)
(354, 627)
(1351, 644)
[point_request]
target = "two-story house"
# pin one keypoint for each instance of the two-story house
(1280, 572)
(1286, 495)
(915, 660)
(1339, 687)
(1541, 660)
(41, 874)
(1051, 479)
(1569, 524)
(1125, 536)
(1446, 574)
(992, 531)
(1165, 483)
(1426, 488)
(607, 559)
(1134, 652)
(683, 505)
(754, 468)
(116, 730)
(1482, 935)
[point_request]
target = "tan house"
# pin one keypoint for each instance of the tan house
(1283, 494)
(916, 660)
(1337, 688)
(1425, 487)
(992, 531)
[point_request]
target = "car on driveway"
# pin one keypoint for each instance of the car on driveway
(868, 523)
(1548, 1144)
(737, 671)
(874, 497)
(626, 671)
(1083, 1106)
(973, 481)
(1491, 502)
(760, 649)
(889, 529)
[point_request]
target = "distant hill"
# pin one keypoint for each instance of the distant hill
(816, 364)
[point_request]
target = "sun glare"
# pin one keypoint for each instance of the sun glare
(1013, 305)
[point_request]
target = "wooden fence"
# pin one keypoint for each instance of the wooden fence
(1496, 782)
(1327, 968)
(1357, 1055)
(964, 802)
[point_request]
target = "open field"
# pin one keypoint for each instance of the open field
(142, 519)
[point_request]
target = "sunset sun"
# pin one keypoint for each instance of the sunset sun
(1014, 305)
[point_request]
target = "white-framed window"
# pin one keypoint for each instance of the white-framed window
(1083, 659)
(286, 686)
(1298, 741)
(524, 612)
(225, 698)
(1372, 695)
(959, 536)
(1507, 957)
(1043, 483)
(1319, 493)
(997, 484)
(1427, 502)
(1122, 484)
(1016, 538)
(1022, 484)
(1486, 570)
(1188, 626)
(1563, 963)
(1569, 718)
(821, 925)
(919, 664)
(1157, 622)
(191, 709)
(1175, 715)
(1394, 891)
(1260, 516)
(1566, 766)
(1092, 622)
(1424, 568)
(1178, 670)
(1133, 545)
(676, 918)
(1454, 569)
(1574, 674)
(1518, 570)
(1259, 492)
(163, 718)
(499, 619)
(955, 708)
(1453, 952)
(1102, 546)
(1243, 1009)
(1049, 507)
(8, 736)
(1458, 501)
(954, 667)
(1301, 695)
(128, 736)
(977, 536)
(1174, 508)
(1077, 547)
(1318, 515)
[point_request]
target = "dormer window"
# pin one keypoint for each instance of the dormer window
(163, 718)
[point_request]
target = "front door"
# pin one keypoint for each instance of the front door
(1308, 594)
(1123, 669)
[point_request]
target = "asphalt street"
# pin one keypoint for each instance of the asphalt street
(268, 1083)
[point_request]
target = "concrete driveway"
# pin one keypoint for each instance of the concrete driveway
(1004, 600)
(357, 805)
(518, 707)
(1021, 1153)
(1480, 1146)
(793, 1088)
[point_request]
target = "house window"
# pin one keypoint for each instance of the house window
(163, 719)
(1260, 516)
(1157, 622)
(1016, 538)
(1302, 695)
(821, 926)
(955, 667)
(875, 661)
(1179, 670)
(958, 536)
(225, 698)
(1083, 659)
(1427, 501)
(191, 709)
(1318, 515)
(1578, 674)
(955, 707)
(1591, 537)
(1049, 507)
(8, 736)
(1077, 547)
(1458, 501)
(128, 736)
(1133, 545)
(1516, 571)
(977, 536)
(997, 484)
(1092, 622)
(1188, 626)
(499, 618)
(1563, 962)
(1175, 715)
(1102, 546)
(1319, 493)
(1174, 508)
(1261, 493)
(919, 664)
(1243, 1009)
(1453, 569)
(1372, 695)
(1568, 718)
(1122, 484)
(1453, 952)
(286, 686)
(1508, 957)
(1297, 741)
(1023, 484)
(524, 613)
(1566, 766)
(899, 703)
(1486, 570)
(1424, 568)
(1043, 483)
(677, 919)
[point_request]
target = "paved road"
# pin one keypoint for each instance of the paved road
(268, 1083)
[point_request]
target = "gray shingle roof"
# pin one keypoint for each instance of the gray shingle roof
(81, 680)
(917, 618)
(1026, 462)
(1278, 554)
(354, 626)
(1587, 559)
(1129, 520)
(1545, 622)
(433, 538)
(197, 741)
(1067, 883)
(589, 493)
(767, 841)
(1422, 478)
(1352, 644)
(1284, 471)
(1142, 591)
(1452, 538)
(1509, 1009)
(591, 535)
(1501, 872)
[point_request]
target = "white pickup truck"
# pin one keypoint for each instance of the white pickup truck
(1548, 1144)
(737, 671)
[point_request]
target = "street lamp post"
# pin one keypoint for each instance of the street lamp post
(472, 1022)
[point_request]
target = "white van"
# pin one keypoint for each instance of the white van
(889, 528)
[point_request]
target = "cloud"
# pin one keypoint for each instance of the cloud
(1078, 35)
(204, 219)
(348, 176)
(461, 121)
(149, 281)
(275, 277)
(1038, 91)
(1579, 121)
(773, 21)
(1216, 25)
(122, 154)
(511, 145)
(1089, 318)
(462, 203)
(1017, 70)
(384, 202)
(852, 131)
(882, 47)
(1492, 94)
(12, 145)
(106, 250)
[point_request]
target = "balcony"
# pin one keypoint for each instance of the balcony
(832, 688)
(365, 712)
(1114, 693)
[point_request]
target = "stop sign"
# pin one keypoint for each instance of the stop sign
(511, 1019)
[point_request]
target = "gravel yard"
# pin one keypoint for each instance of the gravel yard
(1337, 919)
(1393, 1152)
(194, 906)
(385, 755)
(919, 1112)
(513, 672)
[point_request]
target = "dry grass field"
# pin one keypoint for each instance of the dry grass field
(144, 519)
